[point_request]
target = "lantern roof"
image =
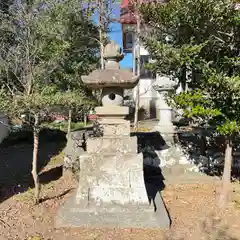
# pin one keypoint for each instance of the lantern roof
(112, 75)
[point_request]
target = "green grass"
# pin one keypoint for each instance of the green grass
(25, 196)
(63, 126)
(57, 159)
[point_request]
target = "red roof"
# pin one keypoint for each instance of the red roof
(127, 3)
(124, 4)
(127, 15)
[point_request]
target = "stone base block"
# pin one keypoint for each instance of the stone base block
(112, 145)
(115, 127)
(112, 111)
(110, 162)
(113, 178)
(113, 215)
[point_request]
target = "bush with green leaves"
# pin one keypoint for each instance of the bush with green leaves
(198, 41)
(45, 47)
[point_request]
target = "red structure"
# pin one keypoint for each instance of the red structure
(127, 15)
(128, 20)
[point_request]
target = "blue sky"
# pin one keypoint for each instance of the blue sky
(116, 35)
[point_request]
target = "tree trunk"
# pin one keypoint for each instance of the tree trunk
(85, 119)
(35, 159)
(101, 38)
(101, 15)
(102, 54)
(184, 78)
(69, 122)
(226, 179)
(203, 144)
(136, 108)
(138, 71)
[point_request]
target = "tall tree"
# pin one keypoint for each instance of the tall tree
(200, 40)
(104, 9)
(42, 53)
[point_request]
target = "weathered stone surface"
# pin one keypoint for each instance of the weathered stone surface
(117, 78)
(90, 163)
(120, 195)
(138, 195)
(111, 76)
(136, 178)
(112, 96)
(115, 127)
(107, 178)
(112, 145)
(110, 162)
(75, 148)
(113, 215)
(112, 111)
(82, 195)
(74, 145)
(102, 194)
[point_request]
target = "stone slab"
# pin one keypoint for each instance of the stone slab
(119, 195)
(136, 178)
(115, 179)
(112, 145)
(108, 195)
(106, 178)
(92, 164)
(113, 215)
(112, 110)
(115, 127)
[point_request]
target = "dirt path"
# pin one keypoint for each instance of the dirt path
(189, 205)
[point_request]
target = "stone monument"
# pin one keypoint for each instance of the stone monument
(172, 157)
(163, 86)
(113, 189)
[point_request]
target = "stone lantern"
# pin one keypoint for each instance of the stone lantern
(172, 155)
(112, 190)
(112, 81)
(163, 86)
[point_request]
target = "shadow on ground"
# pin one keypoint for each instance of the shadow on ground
(16, 161)
(207, 152)
(148, 144)
(58, 196)
(51, 175)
